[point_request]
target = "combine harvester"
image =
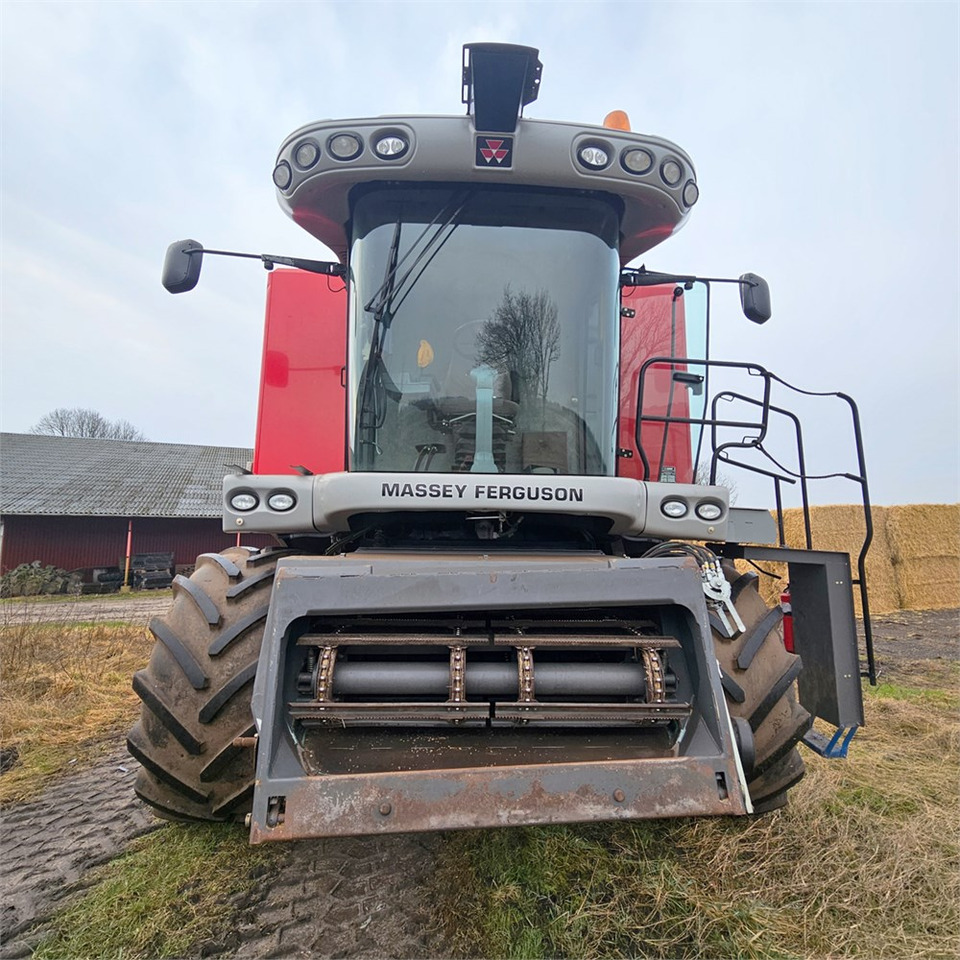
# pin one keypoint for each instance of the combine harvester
(500, 594)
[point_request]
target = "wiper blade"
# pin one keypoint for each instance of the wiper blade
(387, 290)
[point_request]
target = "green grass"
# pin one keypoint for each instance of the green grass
(864, 862)
(895, 691)
(166, 894)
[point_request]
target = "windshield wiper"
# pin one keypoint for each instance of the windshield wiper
(375, 381)
(388, 289)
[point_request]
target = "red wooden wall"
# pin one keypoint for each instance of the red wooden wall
(73, 542)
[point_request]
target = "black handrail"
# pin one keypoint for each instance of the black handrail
(783, 474)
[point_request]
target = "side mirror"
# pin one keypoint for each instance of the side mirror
(181, 266)
(755, 298)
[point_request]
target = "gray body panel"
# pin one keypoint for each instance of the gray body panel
(326, 503)
(630, 777)
(443, 150)
(824, 629)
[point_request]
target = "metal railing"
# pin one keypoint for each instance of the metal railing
(726, 452)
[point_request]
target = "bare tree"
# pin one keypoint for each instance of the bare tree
(523, 336)
(81, 422)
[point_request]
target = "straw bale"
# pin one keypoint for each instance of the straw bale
(840, 527)
(925, 548)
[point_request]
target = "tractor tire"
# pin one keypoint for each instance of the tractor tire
(196, 691)
(759, 676)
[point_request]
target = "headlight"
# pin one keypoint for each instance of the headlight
(242, 502)
(345, 146)
(709, 511)
(282, 175)
(281, 500)
(636, 160)
(306, 154)
(671, 172)
(593, 156)
(391, 147)
(675, 509)
(691, 193)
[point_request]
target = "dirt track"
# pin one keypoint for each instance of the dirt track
(88, 610)
(356, 897)
(331, 898)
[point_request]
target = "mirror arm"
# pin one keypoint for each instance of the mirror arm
(270, 261)
(643, 277)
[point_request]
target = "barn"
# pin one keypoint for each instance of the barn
(73, 503)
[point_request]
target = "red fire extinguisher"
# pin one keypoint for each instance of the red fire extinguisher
(787, 619)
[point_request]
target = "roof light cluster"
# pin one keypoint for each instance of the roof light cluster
(341, 147)
(596, 155)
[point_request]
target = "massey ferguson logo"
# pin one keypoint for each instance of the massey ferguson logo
(494, 151)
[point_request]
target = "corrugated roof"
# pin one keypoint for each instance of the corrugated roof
(67, 476)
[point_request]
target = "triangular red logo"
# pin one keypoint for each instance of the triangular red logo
(493, 151)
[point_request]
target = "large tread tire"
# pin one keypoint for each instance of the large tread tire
(196, 691)
(759, 680)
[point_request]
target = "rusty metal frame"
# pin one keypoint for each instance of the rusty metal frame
(697, 775)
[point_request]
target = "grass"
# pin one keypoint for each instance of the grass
(168, 892)
(865, 862)
(66, 687)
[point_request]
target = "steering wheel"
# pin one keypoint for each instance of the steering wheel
(465, 339)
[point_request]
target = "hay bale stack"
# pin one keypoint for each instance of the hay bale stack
(840, 528)
(925, 549)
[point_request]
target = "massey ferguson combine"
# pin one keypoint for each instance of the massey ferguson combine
(502, 592)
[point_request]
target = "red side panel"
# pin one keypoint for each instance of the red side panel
(646, 335)
(302, 413)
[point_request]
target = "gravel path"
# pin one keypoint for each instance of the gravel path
(352, 897)
(93, 610)
(346, 897)
(83, 820)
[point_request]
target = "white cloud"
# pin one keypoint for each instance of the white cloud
(824, 135)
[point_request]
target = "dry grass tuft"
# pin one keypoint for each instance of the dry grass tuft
(65, 687)
(865, 862)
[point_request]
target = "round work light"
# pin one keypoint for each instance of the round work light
(282, 175)
(306, 154)
(391, 147)
(709, 511)
(636, 160)
(345, 146)
(281, 500)
(593, 156)
(243, 502)
(671, 172)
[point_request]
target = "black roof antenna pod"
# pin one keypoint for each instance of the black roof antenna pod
(499, 80)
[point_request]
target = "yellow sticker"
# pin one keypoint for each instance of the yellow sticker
(424, 354)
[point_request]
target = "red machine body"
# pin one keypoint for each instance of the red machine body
(657, 329)
(301, 419)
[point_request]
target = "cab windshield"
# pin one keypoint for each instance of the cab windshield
(483, 332)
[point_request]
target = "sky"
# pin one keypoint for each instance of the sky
(825, 138)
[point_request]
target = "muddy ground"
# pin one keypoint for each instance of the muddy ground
(359, 897)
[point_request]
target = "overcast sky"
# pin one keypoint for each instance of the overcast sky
(825, 138)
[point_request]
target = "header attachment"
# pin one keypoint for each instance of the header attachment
(499, 80)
